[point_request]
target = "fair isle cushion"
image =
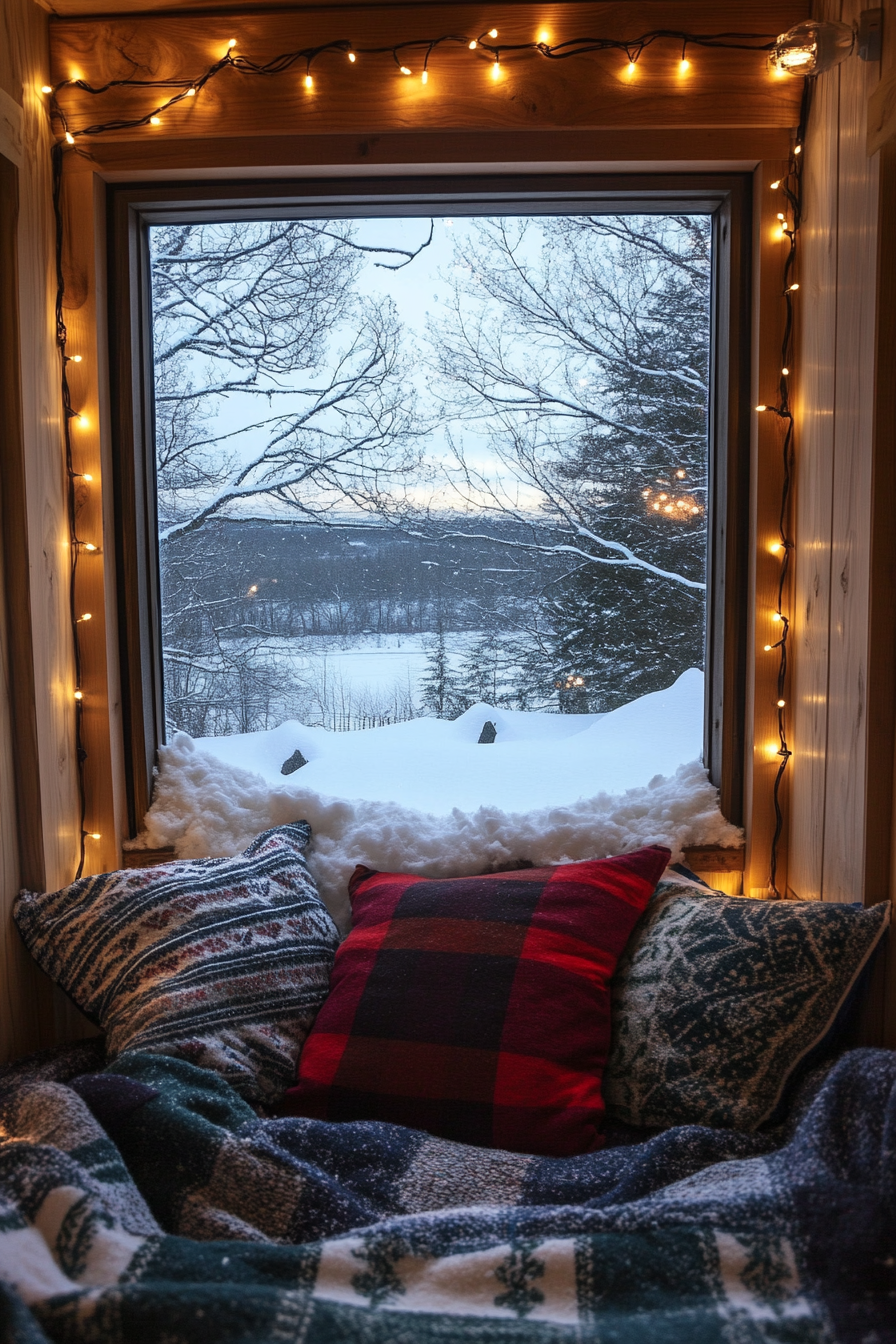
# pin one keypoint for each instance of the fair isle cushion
(718, 998)
(477, 1008)
(222, 962)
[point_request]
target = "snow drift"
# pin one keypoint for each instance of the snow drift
(427, 797)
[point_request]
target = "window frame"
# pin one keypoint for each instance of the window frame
(132, 209)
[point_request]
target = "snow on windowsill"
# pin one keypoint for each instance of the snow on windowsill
(427, 797)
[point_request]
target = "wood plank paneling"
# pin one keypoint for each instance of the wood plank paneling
(844, 842)
(721, 89)
(814, 407)
(661, 150)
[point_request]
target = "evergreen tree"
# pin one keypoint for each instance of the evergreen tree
(439, 685)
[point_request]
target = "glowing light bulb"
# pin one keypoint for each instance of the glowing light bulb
(680, 474)
(88, 616)
(664, 496)
(544, 36)
(694, 509)
(155, 121)
(777, 617)
(645, 493)
(473, 45)
(630, 69)
(794, 288)
(87, 477)
(684, 65)
(404, 70)
(191, 93)
(797, 149)
(657, 507)
(780, 704)
(89, 546)
(775, 185)
(309, 82)
(231, 44)
(254, 588)
(424, 78)
(496, 71)
(785, 372)
(83, 421)
(69, 138)
(682, 503)
(46, 88)
(352, 57)
(667, 509)
(94, 835)
(767, 647)
(761, 407)
(775, 547)
(76, 359)
(493, 32)
(79, 695)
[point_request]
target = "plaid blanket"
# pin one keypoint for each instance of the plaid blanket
(148, 1202)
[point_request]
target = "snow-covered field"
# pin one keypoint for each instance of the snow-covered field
(426, 796)
(536, 760)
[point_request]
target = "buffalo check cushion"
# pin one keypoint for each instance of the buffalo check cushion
(477, 1008)
(222, 962)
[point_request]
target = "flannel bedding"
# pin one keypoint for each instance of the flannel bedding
(148, 1202)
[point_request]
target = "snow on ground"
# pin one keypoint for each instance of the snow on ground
(426, 797)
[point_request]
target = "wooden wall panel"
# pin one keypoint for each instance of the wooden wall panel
(814, 406)
(844, 849)
(371, 97)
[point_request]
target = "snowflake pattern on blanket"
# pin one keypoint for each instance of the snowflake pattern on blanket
(149, 1203)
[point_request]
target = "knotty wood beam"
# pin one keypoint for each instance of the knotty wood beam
(723, 90)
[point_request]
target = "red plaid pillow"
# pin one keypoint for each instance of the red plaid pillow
(477, 1008)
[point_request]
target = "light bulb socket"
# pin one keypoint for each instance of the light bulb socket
(812, 47)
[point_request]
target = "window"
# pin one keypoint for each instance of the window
(456, 464)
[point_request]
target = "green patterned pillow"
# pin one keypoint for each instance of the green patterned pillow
(717, 998)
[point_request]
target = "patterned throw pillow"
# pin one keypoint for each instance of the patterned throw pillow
(477, 1008)
(223, 962)
(717, 999)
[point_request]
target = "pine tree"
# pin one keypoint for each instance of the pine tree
(440, 689)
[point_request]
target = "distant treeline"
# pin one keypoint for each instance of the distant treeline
(293, 580)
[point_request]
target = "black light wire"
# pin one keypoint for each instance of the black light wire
(187, 88)
(792, 186)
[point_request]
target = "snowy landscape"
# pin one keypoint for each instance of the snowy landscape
(432, 522)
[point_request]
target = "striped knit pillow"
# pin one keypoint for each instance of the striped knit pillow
(223, 962)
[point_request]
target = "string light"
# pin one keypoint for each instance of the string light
(633, 47)
(87, 616)
(309, 82)
(424, 78)
(184, 88)
(79, 695)
(94, 835)
(792, 187)
(86, 476)
(75, 359)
